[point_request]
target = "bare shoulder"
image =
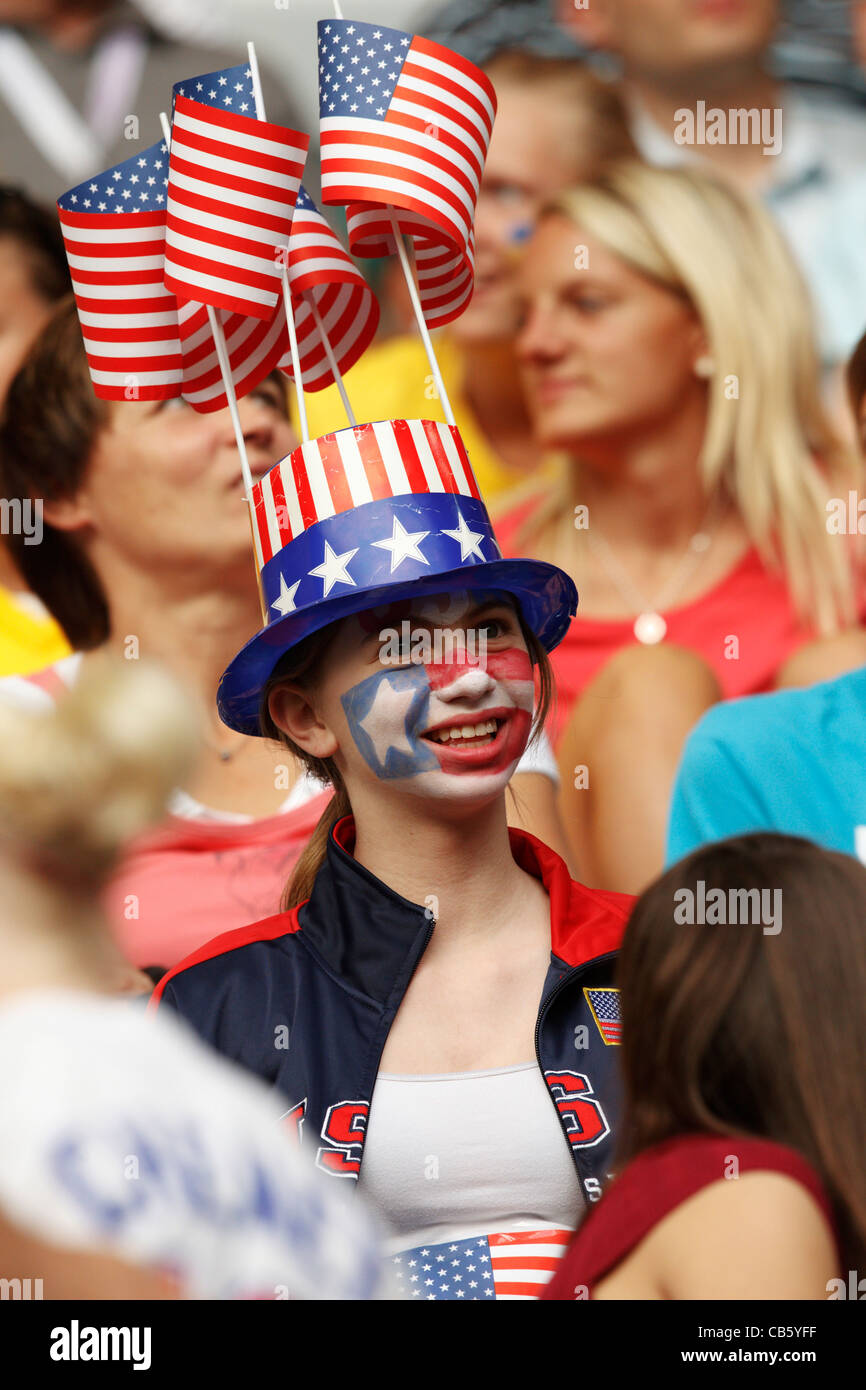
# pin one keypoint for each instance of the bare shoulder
(762, 1235)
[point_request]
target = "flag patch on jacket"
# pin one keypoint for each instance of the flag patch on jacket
(604, 1006)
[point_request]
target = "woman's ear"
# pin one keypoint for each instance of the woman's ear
(290, 708)
(699, 343)
(67, 513)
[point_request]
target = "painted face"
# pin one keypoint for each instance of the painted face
(444, 703)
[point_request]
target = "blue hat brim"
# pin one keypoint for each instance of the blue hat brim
(547, 597)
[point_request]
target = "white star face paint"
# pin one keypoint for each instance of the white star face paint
(454, 728)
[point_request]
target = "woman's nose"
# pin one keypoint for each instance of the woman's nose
(257, 421)
(539, 338)
(467, 682)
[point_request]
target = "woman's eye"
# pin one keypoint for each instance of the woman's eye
(394, 654)
(270, 396)
(495, 627)
(173, 403)
(587, 303)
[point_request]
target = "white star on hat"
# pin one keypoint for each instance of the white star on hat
(470, 541)
(403, 545)
(333, 569)
(286, 601)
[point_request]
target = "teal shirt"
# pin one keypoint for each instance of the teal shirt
(793, 761)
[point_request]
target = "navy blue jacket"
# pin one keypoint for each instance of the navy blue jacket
(306, 999)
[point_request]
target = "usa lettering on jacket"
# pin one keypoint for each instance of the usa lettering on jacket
(306, 999)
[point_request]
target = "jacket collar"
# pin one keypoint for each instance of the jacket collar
(369, 935)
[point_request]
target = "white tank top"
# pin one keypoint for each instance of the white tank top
(472, 1173)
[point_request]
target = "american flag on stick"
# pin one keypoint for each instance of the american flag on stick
(232, 185)
(254, 345)
(322, 273)
(113, 228)
(405, 123)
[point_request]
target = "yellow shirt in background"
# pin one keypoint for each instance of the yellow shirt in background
(27, 641)
(393, 381)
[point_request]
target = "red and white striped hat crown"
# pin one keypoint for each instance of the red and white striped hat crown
(367, 463)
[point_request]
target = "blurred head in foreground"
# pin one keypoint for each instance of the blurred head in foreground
(77, 782)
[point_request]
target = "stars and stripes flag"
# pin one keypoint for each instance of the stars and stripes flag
(604, 1004)
(504, 1265)
(405, 123)
(232, 185)
(113, 229)
(254, 345)
(321, 270)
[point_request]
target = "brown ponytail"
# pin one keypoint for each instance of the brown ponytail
(298, 665)
(300, 885)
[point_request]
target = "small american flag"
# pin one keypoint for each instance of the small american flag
(604, 1004)
(254, 345)
(321, 269)
(446, 274)
(232, 187)
(340, 471)
(114, 231)
(405, 123)
(504, 1265)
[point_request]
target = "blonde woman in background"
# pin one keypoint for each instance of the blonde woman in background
(668, 353)
(133, 1162)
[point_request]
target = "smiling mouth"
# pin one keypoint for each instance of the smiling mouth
(470, 734)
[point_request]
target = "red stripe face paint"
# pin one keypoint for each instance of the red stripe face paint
(511, 664)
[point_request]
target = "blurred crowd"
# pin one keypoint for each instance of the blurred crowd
(660, 381)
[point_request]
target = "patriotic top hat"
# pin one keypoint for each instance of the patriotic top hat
(367, 516)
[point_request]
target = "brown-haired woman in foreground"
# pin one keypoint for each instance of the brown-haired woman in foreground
(744, 1061)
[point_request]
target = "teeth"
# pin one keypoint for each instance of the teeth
(465, 731)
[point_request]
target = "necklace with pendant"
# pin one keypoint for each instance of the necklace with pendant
(649, 626)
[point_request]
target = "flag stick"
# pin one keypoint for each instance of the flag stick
(258, 94)
(419, 316)
(332, 361)
(297, 374)
(216, 329)
(296, 357)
